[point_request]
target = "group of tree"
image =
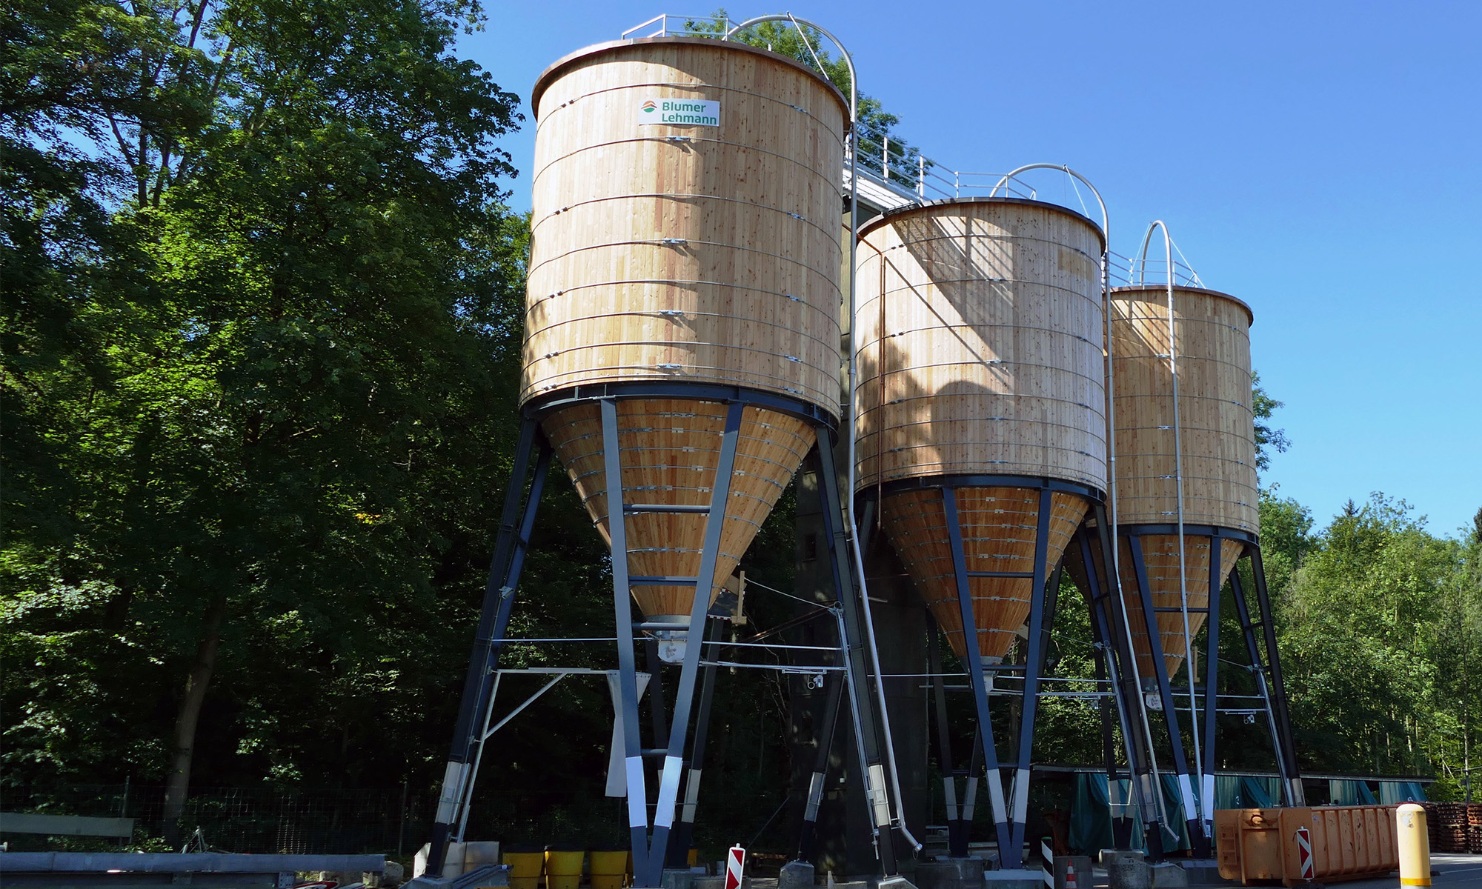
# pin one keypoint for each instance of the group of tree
(262, 304)
(1380, 626)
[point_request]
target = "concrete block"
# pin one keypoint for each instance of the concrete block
(676, 878)
(1128, 870)
(1203, 872)
(950, 873)
(1167, 875)
(705, 881)
(1014, 879)
(394, 875)
(796, 875)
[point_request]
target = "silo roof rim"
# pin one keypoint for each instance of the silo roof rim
(981, 199)
(1163, 288)
(555, 67)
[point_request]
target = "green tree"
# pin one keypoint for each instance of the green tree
(1268, 439)
(1357, 624)
(265, 369)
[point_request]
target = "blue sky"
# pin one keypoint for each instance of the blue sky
(1322, 161)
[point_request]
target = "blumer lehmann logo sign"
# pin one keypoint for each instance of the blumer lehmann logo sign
(679, 112)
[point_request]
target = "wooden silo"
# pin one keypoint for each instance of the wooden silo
(981, 383)
(1205, 439)
(685, 260)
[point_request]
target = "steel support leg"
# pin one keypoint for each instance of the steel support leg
(1119, 661)
(1266, 684)
(957, 827)
(808, 840)
(1202, 842)
(1034, 663)
(684, 829)
(1165, 687)
(868, 724)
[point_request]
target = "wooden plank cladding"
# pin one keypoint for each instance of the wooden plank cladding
(1215, 420)
(1160, 557)
(669, 449)
(980, 344)
(998, 526)
(690, 251)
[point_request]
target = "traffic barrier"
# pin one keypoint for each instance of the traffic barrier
(1298, 845)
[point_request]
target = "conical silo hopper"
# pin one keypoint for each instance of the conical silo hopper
(1209, 442)
(981, 386)
(685, 259)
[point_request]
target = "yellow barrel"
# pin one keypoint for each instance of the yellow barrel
(685, 212)
(563, 868)
(979, 355)
(609, 869)
(524, 868)
(1208, 340)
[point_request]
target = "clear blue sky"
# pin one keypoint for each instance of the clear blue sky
(1322, 161)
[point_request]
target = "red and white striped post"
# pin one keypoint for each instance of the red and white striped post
(735, 863)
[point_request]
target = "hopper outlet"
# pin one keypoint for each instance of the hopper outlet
(672, 461)
(672, 644)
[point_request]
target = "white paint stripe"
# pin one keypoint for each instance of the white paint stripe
(668, 792)
(1186, 790)
(1206, 800)
(447, 802)
(637, 793)
(815, 797)
(995, 798)
(1021, 796)
(949, 793)
(691, 796)
(970, 800)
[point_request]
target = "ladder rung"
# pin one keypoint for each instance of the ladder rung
(659, 580)
(630, 508)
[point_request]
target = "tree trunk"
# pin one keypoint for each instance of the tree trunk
(189, 715)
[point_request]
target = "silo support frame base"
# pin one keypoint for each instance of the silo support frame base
(1167, 703)
(854, 640)
(1089, 561)
(1267, 669)
(650, 838)
(1009, 804)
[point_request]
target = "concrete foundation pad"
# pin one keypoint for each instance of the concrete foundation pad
(1168, 875)
(1203, 872)
(675, 878)
(489, 875)
(796, 875)
(1014, 879)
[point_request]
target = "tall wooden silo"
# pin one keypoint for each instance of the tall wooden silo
(1189, 460)
(681, 358)
(981, 425)
(685, 259)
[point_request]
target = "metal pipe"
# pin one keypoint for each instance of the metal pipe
(851, 529)
(1178, 481)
